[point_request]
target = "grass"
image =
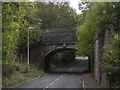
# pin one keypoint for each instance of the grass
(22, 76)
(13, 80)
(33, 72)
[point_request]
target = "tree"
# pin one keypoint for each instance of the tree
(55, 15)
(111, 60)
(30, 20)
(10, 21)
(99, 17)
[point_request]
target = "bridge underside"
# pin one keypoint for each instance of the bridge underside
(48, 57)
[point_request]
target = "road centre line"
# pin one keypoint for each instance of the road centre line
(80, 82)
(61, 76)
(46, 87)
(57, 79)
(52, 83)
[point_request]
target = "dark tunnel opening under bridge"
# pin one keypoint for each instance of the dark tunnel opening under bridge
(80, 65)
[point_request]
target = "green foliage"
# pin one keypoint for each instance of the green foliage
(111, 60)
(15, 23)
(53, 66)
(33, 72)
(7, 71)
(88, 30)
(15, 78)
(16, 20)
(10, 31)
(12, 77)
(30, 20)
(62, 58)
(96, 18)
(68, 56)
(56, 59)
(55, 15)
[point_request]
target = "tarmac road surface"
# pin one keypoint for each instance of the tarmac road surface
(69, 77)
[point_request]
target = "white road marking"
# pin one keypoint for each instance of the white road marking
(80, 82)
(46, 87)
(57, 79)
(61, 76)
(52, 83)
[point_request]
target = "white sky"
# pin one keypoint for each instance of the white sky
(74, 4)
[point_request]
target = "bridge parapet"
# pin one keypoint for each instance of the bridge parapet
(59, 36)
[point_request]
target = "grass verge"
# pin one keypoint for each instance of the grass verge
(15, 78)
(19, 77)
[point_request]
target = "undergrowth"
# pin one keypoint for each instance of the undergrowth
(21, 76)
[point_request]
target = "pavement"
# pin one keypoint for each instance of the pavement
(89, 81)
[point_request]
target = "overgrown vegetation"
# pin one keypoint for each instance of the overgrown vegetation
(96, 18)
(15, 78)
(111, 60)
(11, 76)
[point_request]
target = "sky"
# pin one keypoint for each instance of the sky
(73, 4)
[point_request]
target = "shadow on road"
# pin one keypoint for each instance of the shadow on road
(78, 67)
(67, 72)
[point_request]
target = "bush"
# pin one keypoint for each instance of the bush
(110, 60)
(53, 66)
(62, 58)
(15, 78)
(7, 70)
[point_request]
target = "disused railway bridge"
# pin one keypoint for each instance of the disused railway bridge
(58, 39)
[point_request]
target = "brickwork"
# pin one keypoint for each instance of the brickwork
(58, 36)
(104, 79)
(96, 59)
(99, 43)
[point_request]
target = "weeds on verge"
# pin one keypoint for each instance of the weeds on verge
(21, 76)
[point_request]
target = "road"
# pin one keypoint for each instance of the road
(63, 78)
